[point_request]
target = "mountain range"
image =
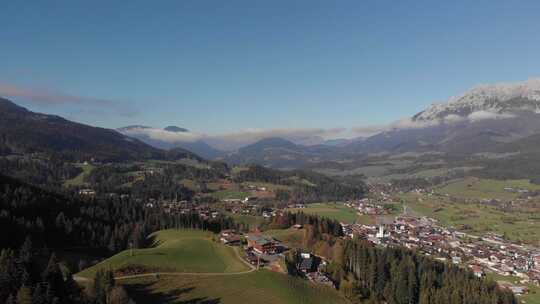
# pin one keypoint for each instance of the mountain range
(487, 118)
(502, 118)
(480, 120)
(25, 132)
(171, 137)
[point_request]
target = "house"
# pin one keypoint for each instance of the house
(262, 244)
(250, 199)
(519, 290)
(456, 260)
(89, 192)
(229, 237)
(306, 265)
(477, 271)
(231, 240)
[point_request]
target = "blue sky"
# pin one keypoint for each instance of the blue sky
(224, 66)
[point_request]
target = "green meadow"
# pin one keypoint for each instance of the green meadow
(177, 251)
(336, 211)
(478, 188)
(261, 287)
(79, 179)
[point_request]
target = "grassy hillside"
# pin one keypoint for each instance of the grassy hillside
(231, 194)
(261, 287)
(291, 237)
(79, 179)
(177, 251)
(251, 220)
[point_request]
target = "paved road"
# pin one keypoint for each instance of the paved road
(157, 274)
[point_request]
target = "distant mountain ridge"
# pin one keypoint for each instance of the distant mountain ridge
(280, 153)
(477, 121)
(494, 99)
(171, 137)
(484, 119)
(23, 132)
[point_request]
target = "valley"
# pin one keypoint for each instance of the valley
(275, 219)
(270, 152)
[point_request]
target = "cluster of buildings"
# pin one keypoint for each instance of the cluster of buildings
(261, 250)
(366, 207)
(249, 208)
(489, 253)
(205, 211)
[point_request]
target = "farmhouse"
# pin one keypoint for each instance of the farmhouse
(89, 192)
(229, 237)
(262, 244)
(306, 263)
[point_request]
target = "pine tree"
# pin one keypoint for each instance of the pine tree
(54, 278)
(25, 253)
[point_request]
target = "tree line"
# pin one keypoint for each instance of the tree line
(400, 276)
(109, 223)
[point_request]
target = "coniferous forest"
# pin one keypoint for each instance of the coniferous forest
(399, 276)
(36, 222)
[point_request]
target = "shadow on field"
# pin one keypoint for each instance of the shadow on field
(152, 242)
(144, 293)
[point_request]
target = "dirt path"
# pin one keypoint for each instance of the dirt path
(158, 274)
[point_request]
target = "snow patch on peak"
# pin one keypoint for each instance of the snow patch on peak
(529, 89)
(486, 102)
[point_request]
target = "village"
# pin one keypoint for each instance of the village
(487, 254)
(482, 255)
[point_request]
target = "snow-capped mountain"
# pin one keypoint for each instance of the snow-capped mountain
(476, 121)
(486, 101)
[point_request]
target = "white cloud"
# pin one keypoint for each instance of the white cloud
(234, 140)
(481, 115)
(164, 135)
(409, 123)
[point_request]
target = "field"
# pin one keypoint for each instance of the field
(177, 251)
(251, 220)
(475, 188)
(338, 212)
(261, 287)
(476, 218)
(230, 194)
(268, 186)
(290, 237)
(79, 179)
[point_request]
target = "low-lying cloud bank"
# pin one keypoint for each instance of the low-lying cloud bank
(234, 140)
(307, 136)
(409, 123)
